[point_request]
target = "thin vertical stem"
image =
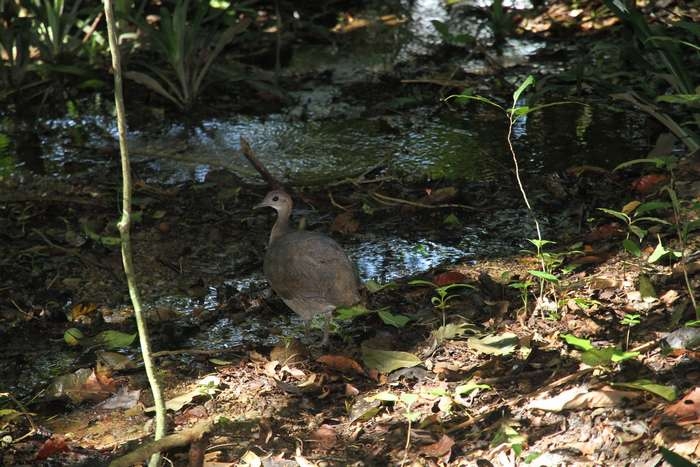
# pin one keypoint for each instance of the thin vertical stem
(124, 226)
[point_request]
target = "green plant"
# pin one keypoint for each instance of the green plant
(508, 435)
(632, 219)
(189, 42)
(597, 356)
(629, 320)
(500, 22)
(442, 295)
(15, 37)
(524, 288)
(685, 220)
(665, 51)
(406, 399)
(515, 113)
(459, 40)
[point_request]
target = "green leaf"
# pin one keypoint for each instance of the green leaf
(469, 387)
(658, 253)
(631, 247)
(525, 84)
(113, 339)
(347, 314)
(651, 206)
(373, 286)
(657, 161)
(386, 361)
(422, 282)
(386, 396)
(676, 460)
(620, 356)
(398, 321)
(220, 362)
(686, 99)
(442, 29)
(451, 330)
(544, 275)
(153, 85)
(494, 344)
(646, 288)
(598, 357)
(73, 336)
(466, 96)
(540, 243)
(638, 231)
(653, 219)
(667, 392)
(408, 398)
(620, 215)
(582, 344)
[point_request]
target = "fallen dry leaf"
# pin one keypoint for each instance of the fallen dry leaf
(440, 448)
(53, 445)
(345, 223)
(341, 363)
(687, 410)
(648, 183)
(325, 437)
(449, 277)
(582, 398)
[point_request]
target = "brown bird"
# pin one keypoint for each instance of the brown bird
(308, 270)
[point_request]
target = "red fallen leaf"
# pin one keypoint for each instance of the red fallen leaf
(648, 183)
(687, 410)
(440, 448)
(449, 277)
(605, 232)
(341, 363)
(53, 445)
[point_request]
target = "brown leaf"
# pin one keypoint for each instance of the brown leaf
(325, 437)
(440, 448)
(341, 363)
(605, 232)
(345, 223)
(589, 259)
(53, 445)
(441, 195)
(449, 277)
(687, 410)
(81, 310)
(648, 183)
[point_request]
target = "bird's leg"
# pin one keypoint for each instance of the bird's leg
(326, 327)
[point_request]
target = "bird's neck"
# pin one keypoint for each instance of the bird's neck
(281, 227)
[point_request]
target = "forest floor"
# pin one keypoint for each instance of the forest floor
(593, 367)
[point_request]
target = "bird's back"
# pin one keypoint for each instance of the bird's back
(311, 273)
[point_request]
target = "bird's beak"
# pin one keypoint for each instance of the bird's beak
(261, 204)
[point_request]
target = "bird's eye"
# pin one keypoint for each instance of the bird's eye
(276, 198)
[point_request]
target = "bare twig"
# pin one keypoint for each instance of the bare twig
(255, 162)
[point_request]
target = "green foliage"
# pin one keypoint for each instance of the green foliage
(188, 41)
(661, 54)
(460, 40)
(594, 356)
(500, 22)
(442, 296)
